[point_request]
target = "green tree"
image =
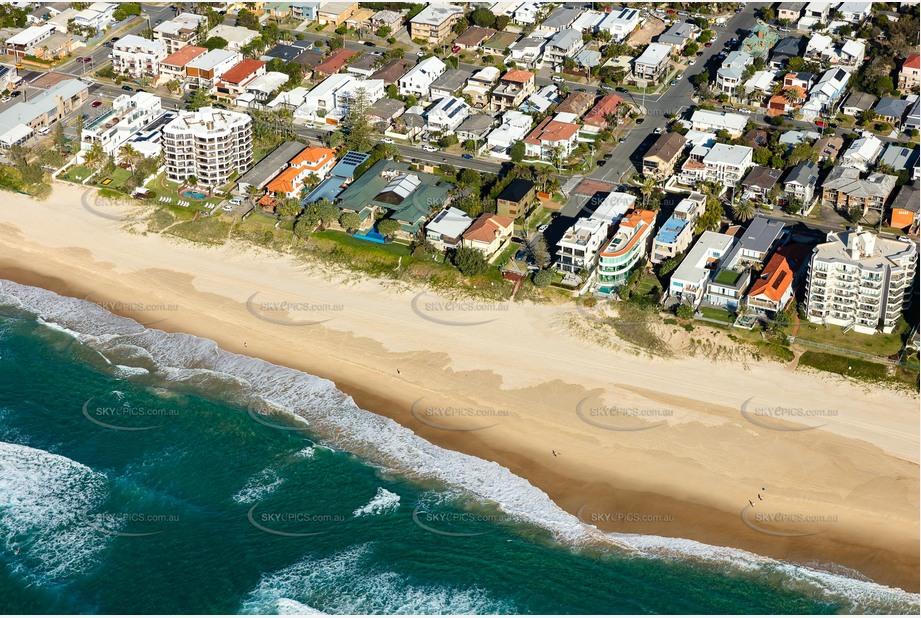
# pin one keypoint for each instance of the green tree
(287, 208)
(199, 99)
(248, 19)
(712, 215)
(517, 151)
(470, 261)
(327, 212)
(796, 64)
(356, 126)
(95, 157)
(57, 136)
(130, 155)
(335, 139)
(350, 221)
(126, 10)
(305, 224)
(685, 312)
(542, 278)
(482, 17)
(744, 210)
(384, 31)
(388, 227)
(460, 26)
(691, 49)
(215, 42)
(646, 189)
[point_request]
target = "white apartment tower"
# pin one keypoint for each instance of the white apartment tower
(861, 281)
(209, 144)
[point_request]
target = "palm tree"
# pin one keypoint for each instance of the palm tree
(130, 155)
(648, 186)
(744, 210)
(95, 157)
(253, 192)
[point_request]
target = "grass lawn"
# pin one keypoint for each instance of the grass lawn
(208, 230)
(506, 255)
(163, 187)
(117, 178)
(857, 368)
(646, 283)
(717, 314)
(77, 173)
(878, 345)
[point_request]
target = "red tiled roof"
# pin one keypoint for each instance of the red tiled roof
(336, 61)
(517, 76)
(551, 130)
(242, 70)
(183, 56)
(778, 274)
(605, 106)
(313, 157)
(913, 61)
(485, 227)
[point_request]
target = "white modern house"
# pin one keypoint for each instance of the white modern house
(528, 51)
(515, 126)
(446, 229)
(328, 102)
(578, 248)
(730, 74)
(237, 37)
(129, 114)
(651, 64)
(689, 281)
(418, 80)
(138, 57)
(721, 163)
(676, 234)
(205, 70)
(713, 122)
(621, 23)
(446, 115)
(862, 153)
(564, 44)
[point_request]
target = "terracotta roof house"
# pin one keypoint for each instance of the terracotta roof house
(489, 233)
(597, 116)
(773, 290)
(335, 61)
(173, 66)
(910, 73)
(513, 88)
(551, 138)
(233, 83)
(576, 103)
(312, 160)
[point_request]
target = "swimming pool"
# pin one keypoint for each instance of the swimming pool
(195, 195)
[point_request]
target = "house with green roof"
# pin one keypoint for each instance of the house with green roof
(760, 41)
(407, 196)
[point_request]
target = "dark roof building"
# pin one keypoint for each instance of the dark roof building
(516, 190)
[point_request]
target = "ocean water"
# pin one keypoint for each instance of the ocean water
(145, 472)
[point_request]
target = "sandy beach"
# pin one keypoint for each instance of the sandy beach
(673, 447)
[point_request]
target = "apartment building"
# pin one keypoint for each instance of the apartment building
(479, 85)
(435, 22)
(205, 70)
(710, 121)
(138, 57)
(621, 23)
(179, 31)
(689, 281)
(25, 42)
(676, 234)
(517, 199)
(420, 78)
(659, 161)
(628, 247)
(513, 88)
(129, 114)
(562, 45)
(801, 182)
(860, 281)
(721, 163)
(552, 141)
(651, 64)
(335, 13)
(209, 144)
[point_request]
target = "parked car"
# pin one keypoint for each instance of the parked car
(821, 124)
(640, 120)
(428, 148)
(521, 254)
(708, 44)
(15, 93)
(369, 43)
(622, 140)
(621, 89)
(558, 79)
(420, 54)
(386, 140)
(673, 83)
(608, 156)
(6, 99)
(455, 49)
(601, 163)
(658, 131)
(227, 207)
(127, 88)
(96, 103)
(466, 156)
(543, 228)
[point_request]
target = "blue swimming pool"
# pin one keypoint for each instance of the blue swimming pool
(195, 195)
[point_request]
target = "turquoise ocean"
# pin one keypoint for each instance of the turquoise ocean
(146, 472)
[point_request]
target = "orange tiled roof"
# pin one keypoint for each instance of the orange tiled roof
(183, 56)
(775, 279)
(913, 61)
(485, 227)
(551, 130)
(242, 70)
(517, 76)
(605, 106)
(336, 61)
(284, 182)
(313, 157)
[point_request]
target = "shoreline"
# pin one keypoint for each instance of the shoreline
(653, 474)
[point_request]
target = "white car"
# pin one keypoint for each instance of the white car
(227, 207)
(428, 148)
(6, 99)
(558, 79)
(543, 228)
(386, 140)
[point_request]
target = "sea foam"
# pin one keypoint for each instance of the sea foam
(335, 417)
